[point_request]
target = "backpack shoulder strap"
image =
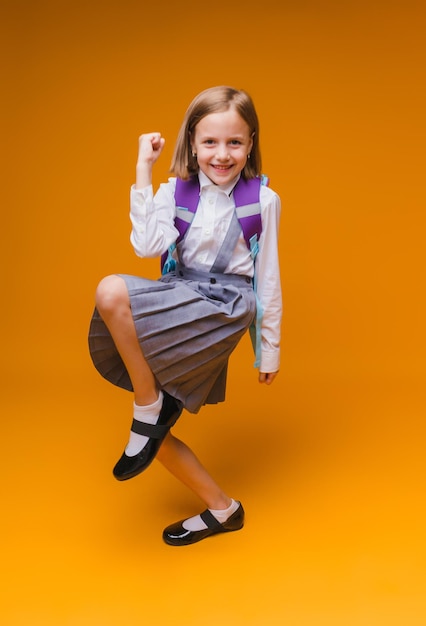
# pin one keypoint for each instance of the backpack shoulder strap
(248, 210)
(187, 196)
(247, 207)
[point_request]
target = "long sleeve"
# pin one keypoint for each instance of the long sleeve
(152, 219)
(267, 276)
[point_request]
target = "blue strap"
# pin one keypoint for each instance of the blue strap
(255, 332)
(256, 327)
(254, 246)
(167, 261)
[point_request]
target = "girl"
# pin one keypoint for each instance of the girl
(169, 341)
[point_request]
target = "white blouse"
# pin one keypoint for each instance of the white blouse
(153, 232)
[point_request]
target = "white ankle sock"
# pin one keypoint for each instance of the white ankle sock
(196, 523)
(149, 414)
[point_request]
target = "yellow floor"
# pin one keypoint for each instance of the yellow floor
(331, 476)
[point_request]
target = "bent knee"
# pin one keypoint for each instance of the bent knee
(110, 293)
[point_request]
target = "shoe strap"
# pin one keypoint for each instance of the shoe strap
(170, 412)
(210, 520)
(153, 431)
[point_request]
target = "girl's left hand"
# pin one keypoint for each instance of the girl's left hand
(267, 377)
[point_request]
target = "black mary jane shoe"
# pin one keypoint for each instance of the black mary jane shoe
(177, 535)
(130, 466)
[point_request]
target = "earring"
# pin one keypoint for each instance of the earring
(194, 154)
(248, 156)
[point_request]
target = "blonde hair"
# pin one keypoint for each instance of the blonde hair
(215, 100)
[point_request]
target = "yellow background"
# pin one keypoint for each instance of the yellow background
(329, 462)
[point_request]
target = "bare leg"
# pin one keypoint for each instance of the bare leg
(180, 461)
(112, 302)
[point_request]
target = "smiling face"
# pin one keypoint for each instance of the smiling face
(222, 143)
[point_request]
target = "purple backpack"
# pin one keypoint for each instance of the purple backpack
(247, 208)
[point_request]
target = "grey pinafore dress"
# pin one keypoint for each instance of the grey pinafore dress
(188, 323)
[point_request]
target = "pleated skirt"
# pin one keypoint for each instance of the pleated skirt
(188, 323)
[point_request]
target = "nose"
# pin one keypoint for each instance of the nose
(222, 153)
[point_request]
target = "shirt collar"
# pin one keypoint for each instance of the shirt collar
(206, 182)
